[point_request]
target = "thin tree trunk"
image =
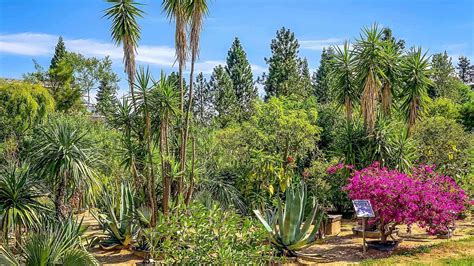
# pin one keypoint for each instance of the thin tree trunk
(151, 175)
(165, 166)
(186, 126)
(189, 194)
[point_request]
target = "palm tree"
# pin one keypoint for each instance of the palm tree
(391, 69)
(196, 9)
(126, 31)
(178, 10)
(369, 58)
(416, 73)
(64, 157)
(20, 200)
(143, 86)
(343, 74)
(166, 101)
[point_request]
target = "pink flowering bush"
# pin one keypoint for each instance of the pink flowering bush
(429, 199)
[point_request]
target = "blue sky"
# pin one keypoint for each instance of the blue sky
(29, 29)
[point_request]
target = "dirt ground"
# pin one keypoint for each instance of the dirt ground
(345, 248)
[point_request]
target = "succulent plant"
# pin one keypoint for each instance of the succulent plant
(290, 229)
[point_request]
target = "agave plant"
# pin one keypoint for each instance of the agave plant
(56, 243)
(290, 229)
(118, 219)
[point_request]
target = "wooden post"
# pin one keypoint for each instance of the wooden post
(364, 248)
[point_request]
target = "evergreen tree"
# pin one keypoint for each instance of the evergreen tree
(106, 98)
(283, 77)
(225, 101)
(441, 73)
(321, 78)
(463, 67)
(387, 35)
(305, 76)
(59, 53)
(240, 72)
(203, 101)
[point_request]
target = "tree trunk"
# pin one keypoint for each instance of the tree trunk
(186, 127)
(189, 194)
(61, 209)
(165, 166)
(386, 99)
(348, 104)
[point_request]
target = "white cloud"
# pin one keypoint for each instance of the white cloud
(38, 44)
(318, 45)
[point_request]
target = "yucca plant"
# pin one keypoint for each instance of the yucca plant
(55, 243)
(20, 205)
(290, 230)
(118, 219)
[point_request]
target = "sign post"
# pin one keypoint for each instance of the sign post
(363, 210)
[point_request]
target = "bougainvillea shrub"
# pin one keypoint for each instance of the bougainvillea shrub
(431, 200)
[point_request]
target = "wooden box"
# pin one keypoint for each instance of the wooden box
(333, 225)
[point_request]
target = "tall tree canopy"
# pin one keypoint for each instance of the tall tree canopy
(464, 64)
(239, 70)
(225, 101)
(283, 78)
(322, 78)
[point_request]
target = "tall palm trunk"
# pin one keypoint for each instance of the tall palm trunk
(151, 174)
(386, 98)
(412, 115)
(130, 67)
(348, 106)
(369, 102)
(189, 193)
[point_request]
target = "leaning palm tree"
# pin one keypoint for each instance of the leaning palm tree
(369, 57)
(64, 157)
(196, 10)
(177, 10)
(343, 74)
(416, 73)
(391, 69)
(126, 31)
(20, 203)
(166, 101)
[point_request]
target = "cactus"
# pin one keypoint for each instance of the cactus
(290, 230)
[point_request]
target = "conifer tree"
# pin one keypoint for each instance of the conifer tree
(106, 98)
(283, 78)
(59, 53)
(240, 72)
(225, 101)
(321, 78)
(203, 101)
(463, 67)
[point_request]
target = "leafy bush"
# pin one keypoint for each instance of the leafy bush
(198, 235)
(432, 200)
(467, 115)
(443, 107)
(22, 106)
(444, 143)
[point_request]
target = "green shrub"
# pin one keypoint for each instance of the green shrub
(199, 235)
(443, 142)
